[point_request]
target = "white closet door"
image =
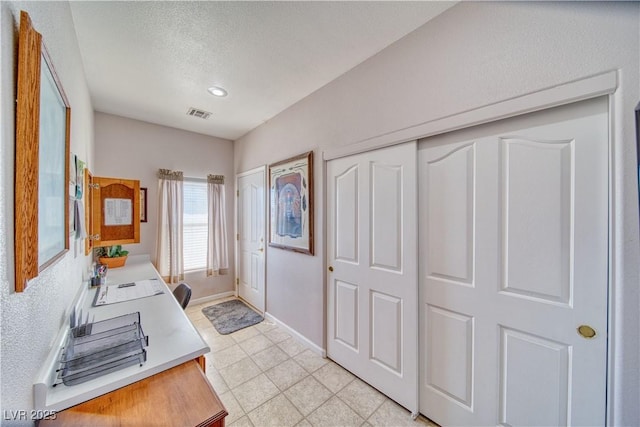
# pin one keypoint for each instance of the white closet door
(372, 282)
(513, 261)
(251, 234)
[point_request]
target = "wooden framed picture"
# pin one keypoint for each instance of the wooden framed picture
(291, 204)
(43, 115)
(143, 204)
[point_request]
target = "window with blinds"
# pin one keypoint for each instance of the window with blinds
(194, 226)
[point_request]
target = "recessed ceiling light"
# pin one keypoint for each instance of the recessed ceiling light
(217, 91)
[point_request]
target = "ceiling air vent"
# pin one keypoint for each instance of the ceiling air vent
(198, 113)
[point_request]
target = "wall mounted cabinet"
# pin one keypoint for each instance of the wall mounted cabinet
(113, 211)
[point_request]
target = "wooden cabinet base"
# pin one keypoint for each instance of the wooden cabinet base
(181, 396)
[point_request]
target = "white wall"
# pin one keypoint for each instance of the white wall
(472, 55)
(31, 319)
(132, 149)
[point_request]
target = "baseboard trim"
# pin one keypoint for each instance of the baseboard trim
(297, 335)
(213, 297)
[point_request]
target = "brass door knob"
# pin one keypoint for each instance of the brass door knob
(330, 268)
(586, 331)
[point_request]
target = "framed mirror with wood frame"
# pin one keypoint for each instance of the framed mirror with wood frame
(41, 200)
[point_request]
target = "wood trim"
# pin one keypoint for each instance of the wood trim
(88, 220)
(202, 361)
(27, 145)
(67, 155)
(180, 396)
(31, 53)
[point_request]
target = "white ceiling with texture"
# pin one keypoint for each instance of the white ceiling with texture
(152, 61)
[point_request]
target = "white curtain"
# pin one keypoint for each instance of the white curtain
(169, 244)
(217, 256)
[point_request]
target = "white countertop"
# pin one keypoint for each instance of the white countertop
(173, 340)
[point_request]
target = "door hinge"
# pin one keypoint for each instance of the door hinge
(94, 185)
(237, 193)
(238, 236)
(93, 237)
(237, 281)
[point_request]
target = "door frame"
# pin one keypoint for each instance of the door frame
(606, 83)
(260, 169)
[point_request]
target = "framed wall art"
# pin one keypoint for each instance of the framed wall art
(42, 160)
(291, 204)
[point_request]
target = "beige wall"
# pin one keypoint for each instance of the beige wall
(472, 55)
(31, 320)
(127, 148)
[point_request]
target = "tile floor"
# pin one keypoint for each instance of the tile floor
(265, 377)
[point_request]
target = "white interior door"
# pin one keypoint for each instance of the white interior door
(250, 237)
(372, 282)
(513, 260)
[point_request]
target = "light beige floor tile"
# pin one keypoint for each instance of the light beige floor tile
(239, 372)
(244, 334)
(255, 344)
(277, 412)
(255, 392)
(228, 356)
(291, 346)
(310, 360)
(216, 380)
(208, 332)
(307, 395)
(232, 406)
(277, 335)
(204, 323)
(270, 357)
(335, 413)
(392, 414)
(218, 342)
(208, 359)
(199, 319)
(286, 374)
(333, 377)
(265, 326)
(192, 309)
(241, 422)
(198, 316)
(310, 396)
(361, 397)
